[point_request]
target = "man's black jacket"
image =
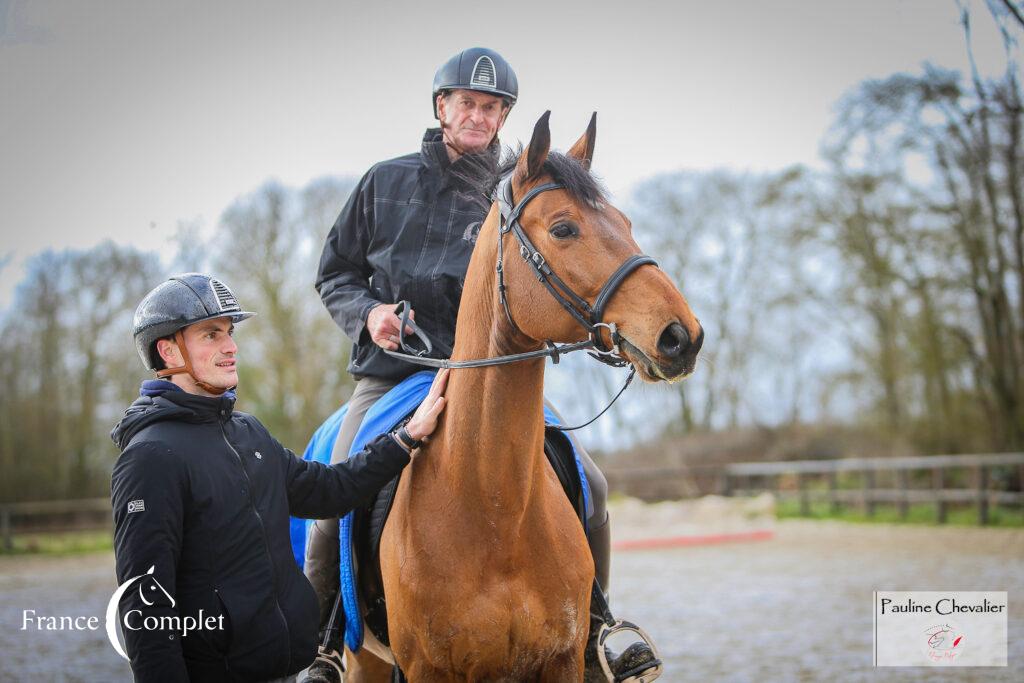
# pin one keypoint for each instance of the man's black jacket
(406, 234)
(202, 494)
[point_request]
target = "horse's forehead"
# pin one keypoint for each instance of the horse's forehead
(598, 210)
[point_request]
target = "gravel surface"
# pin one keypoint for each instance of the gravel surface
(795, 608)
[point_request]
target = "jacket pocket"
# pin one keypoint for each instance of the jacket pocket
(258, 642)
(221, 639)
(211, 635)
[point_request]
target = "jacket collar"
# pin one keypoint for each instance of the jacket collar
(163, 401)
(204, 407)
(434, 151)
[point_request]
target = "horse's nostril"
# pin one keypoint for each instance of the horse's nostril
(674, 340)
(700, 340)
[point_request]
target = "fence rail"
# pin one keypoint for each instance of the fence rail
(53, 515)
(735, 479)
(749, 477)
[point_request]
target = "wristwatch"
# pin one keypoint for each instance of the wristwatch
(405, 440)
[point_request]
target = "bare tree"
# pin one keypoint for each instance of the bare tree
(68, 369)
(294, 356)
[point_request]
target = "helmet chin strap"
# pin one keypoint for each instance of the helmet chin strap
(187, 369)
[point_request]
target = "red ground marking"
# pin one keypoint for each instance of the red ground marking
(679, 541)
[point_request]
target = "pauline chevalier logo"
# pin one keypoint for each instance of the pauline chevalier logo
(944, 642)
(940, 628)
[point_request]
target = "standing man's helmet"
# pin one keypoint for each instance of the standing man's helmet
(477, 69)
(176, 304)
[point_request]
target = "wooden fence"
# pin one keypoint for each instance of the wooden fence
(754, 477)
(53, 516)
(806, 480)
(983, 481)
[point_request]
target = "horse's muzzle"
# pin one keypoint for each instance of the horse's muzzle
(677, 351)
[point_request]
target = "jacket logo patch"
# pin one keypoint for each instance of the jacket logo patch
(136, 506)
(259, 456)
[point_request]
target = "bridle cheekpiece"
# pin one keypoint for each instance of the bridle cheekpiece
(590, 317)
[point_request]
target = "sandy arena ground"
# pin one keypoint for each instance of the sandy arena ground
(793, 608)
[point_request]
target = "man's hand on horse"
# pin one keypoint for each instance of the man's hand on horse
(424, 420)
(383, 326)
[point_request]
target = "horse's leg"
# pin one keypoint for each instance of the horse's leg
(567, 666)
(366, 667)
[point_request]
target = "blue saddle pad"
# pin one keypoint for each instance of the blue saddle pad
(388, 411)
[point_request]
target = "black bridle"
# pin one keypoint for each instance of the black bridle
(589, 317)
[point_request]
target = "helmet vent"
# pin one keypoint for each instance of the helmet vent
(483, 73)
(225, 299)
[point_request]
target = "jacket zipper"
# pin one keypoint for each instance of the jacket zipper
(266, 544)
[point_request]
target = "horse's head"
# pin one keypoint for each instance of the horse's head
(151, 592)
(584, 240)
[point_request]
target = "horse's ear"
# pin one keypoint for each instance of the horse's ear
(532, 160)
(584, 147)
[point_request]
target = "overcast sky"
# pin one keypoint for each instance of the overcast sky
(118, 119)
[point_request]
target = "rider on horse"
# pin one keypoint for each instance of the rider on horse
(406, 234)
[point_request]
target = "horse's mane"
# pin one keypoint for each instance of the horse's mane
(483, 172)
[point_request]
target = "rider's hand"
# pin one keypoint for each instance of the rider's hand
(383, 324)
(424, 420)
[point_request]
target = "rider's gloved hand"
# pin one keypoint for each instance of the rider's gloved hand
(383, 326)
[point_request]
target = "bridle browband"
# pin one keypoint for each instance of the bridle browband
(589, 317)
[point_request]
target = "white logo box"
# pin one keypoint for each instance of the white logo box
(940, 628)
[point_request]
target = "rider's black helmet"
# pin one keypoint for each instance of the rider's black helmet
(477, 69)
(177, 303)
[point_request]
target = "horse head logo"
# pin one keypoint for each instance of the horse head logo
(149, 592)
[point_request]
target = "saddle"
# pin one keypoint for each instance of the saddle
(368, 526)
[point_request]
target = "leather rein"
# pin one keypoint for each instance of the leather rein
(589, 317)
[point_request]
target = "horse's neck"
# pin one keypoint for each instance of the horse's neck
(494, 429)
(494, 432)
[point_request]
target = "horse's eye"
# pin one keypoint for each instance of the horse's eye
(564, 231)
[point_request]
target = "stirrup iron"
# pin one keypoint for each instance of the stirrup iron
(648, 674)
(333, 658)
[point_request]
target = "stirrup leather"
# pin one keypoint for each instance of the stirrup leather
(647, 674)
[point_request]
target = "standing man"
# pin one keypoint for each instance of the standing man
(201, 497)
(406, 234)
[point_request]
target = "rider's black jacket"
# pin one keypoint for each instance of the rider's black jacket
(202, 495)
(406, 233)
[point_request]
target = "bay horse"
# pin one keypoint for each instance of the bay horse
(485, 564)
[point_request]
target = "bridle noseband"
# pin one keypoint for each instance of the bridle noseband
(590, 317)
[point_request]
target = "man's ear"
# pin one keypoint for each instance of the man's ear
(440, 106)
(501, 122)
(169, 353)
